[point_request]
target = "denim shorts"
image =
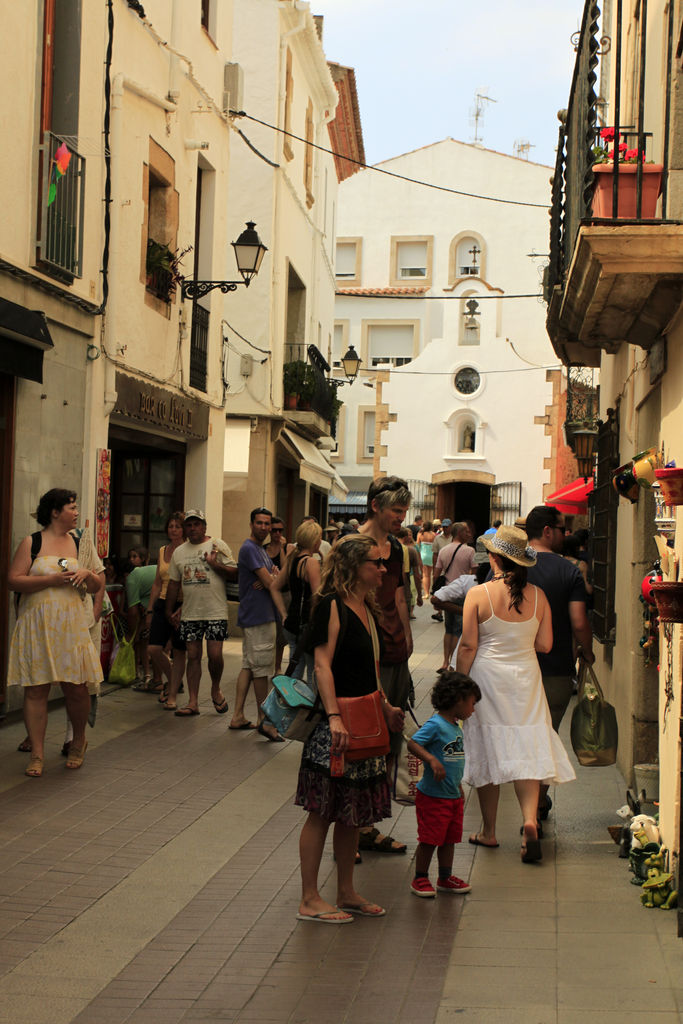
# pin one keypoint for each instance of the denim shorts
(452, 623)
(212, 629)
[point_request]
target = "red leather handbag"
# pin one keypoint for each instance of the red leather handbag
(365, 723)
(363, 717)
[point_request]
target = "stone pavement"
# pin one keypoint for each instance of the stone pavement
(160, 884)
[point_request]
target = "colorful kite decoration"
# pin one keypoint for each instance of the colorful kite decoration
(60, 162)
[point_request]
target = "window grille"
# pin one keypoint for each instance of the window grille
(60, 243)
(199, 347)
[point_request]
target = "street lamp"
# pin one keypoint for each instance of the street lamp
(584, 445)
(249, 253)
(351, 364)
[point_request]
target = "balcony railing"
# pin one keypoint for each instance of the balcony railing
(582, 396)
(199, 347)
(62, 198)
(574, 178)
(308, 381)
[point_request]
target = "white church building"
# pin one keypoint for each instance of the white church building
(438, 291)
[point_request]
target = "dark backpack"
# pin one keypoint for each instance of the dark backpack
(36, 542)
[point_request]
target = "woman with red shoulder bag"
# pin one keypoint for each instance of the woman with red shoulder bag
(334, 789)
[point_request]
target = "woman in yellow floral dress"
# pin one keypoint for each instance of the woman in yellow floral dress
(51, 643)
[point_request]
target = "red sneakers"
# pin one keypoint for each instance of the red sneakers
(422, 887)
(453, 884)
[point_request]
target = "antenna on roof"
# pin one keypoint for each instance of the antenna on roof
(481, 98)
(521, 148)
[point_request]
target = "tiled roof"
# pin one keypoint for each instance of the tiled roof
(382, 291)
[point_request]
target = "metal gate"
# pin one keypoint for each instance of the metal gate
(423, 501)
(506, 501)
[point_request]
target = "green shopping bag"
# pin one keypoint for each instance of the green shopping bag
(594, 733)
(122, 668)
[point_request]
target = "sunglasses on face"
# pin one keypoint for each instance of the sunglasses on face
(378, 562)
(276, 529)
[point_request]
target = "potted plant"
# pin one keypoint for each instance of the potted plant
(603, 170)
(293, 380)
(308, 385)
(162, 266)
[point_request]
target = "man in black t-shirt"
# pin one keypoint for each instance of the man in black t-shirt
(563, 585)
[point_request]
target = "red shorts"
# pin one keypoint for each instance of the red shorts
(439, 821)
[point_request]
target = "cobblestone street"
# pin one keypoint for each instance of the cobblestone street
(160, 883)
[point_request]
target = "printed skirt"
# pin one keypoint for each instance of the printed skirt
(358, 798)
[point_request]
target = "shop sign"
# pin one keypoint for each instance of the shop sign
(175, 413)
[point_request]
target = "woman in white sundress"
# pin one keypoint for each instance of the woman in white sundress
(51, 642)
(510, 739)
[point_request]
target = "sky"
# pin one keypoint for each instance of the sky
(419, 64)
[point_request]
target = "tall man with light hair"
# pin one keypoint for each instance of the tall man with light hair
(388, 502)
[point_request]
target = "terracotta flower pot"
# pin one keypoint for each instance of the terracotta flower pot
(671, 483)
(669, 598)
(626, 209)
(291, 401)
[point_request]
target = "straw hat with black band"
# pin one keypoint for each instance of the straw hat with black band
(511, 543)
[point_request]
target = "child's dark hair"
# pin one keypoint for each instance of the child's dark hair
(452, 687)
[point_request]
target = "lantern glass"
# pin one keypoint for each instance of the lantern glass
(249, 252)
(351, 364)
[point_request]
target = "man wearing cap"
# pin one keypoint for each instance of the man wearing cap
(454, 560)
(260, 606)
(388, 502)
(443, 535)
(563, 585)
(201, 566)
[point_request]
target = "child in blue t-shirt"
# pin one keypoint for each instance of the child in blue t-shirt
(439, 800)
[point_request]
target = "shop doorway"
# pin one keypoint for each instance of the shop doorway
(147, 485)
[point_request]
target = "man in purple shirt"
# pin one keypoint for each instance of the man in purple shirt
(259, 608)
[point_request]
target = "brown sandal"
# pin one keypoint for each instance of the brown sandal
(76, 757)
(35, 767)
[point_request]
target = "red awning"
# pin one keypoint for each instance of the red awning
(573, 498)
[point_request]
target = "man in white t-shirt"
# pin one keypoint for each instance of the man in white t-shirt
(201, 565)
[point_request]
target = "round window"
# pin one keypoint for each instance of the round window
(467, 381)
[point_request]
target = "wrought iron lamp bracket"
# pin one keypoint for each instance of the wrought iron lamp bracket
(198, 289)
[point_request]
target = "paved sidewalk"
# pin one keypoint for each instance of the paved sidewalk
(160, 884)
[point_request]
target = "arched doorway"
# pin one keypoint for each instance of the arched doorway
(464, 494)
(465, 499)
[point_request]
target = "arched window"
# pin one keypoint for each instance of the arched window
(467, 257)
